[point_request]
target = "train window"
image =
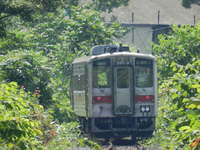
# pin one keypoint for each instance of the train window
(144, 73)
(122, 78)
(101, 74)
(101, 77)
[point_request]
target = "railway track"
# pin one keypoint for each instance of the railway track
(122, 145)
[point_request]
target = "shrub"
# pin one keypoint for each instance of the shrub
(20, 118)
(179, 95)
(28, 69)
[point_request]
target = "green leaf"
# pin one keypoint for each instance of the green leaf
(183, 128)
(195, 86)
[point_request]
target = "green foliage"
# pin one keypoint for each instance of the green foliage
(108, 5)
(38, 55)
(84, 30)
(16, 40)
(179, 106)
(76, 34)
(179, 113)
(84, 142)
(29, 70)
(61, 108)
(62, 38)
(25, 9)
(69, 137)
(187, 3)
(178, 48)
(19, 125)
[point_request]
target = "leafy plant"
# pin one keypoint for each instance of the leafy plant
(179, 97)
(19, 124)
(38, 55)
(29, 70)
(105, 5)
(188, 3)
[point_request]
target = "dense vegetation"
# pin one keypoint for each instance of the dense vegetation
(38, 41)
(178, 122)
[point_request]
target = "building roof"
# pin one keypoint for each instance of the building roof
(146, 12)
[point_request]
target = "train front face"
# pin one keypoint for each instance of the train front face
(123, 96)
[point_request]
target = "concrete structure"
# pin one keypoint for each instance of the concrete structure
(146, 19)
(146, 12)
(141, 36)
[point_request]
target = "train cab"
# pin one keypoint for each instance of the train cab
(114, 92)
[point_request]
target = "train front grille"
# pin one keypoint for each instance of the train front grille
(103, 123)
(123, 122)
(114, 123)
(123, 109)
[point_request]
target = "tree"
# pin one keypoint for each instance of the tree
(29, 70)
(19, 118)
(179, 105)
(108, 5)
(25, 9)
(187, 3)
(180, 47)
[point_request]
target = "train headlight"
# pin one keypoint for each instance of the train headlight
(147, 108)
(142, 108)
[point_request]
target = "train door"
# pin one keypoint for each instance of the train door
(123, 104)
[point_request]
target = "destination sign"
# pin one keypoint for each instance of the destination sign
(143, 62)
(123, 61)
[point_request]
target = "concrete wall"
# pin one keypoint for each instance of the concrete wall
(141, 36)
(146, 12)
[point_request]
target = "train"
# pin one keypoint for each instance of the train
(114, 92)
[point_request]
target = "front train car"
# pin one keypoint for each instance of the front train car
(119, 92)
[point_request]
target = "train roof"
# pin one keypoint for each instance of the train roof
(108, 51)
(108, 55)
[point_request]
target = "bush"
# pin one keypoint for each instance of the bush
(178, 120)
(179, 95)
(69, 137)
(19, 124)
(29, 70)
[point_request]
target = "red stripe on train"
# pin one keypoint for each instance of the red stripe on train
(102, 99)
(144, 98)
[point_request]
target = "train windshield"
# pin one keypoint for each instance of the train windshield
(123, 78)
(101, 74)
(144, 73)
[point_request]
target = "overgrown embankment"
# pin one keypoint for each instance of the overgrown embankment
(179, 89)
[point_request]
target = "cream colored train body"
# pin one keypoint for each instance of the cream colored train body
(114, 92)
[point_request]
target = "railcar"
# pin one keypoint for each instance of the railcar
(113, 92)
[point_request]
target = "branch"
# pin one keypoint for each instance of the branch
(1, 18)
